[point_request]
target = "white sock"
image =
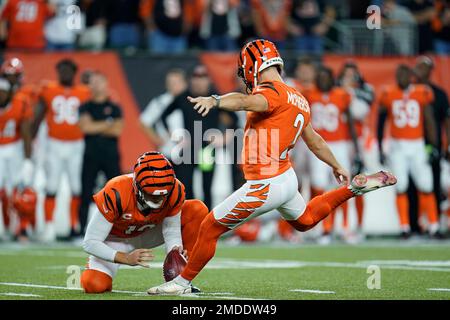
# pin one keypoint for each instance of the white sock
(182, 281)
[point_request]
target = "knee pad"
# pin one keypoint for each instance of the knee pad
(94, 281)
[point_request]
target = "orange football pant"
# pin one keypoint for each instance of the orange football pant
(210, 230)
(192, 215)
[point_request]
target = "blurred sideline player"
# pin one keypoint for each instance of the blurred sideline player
(362, 97)
(136, 212)
(304, 81)
(407, 107)
(441, 110)
(331, 118)
(59, 103)
(277, 116)
(12, 69)
(16, 166)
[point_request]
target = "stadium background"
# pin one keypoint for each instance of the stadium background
(136, 75)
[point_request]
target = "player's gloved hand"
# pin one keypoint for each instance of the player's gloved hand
(182, 251)
(342, 176)
(358, 165)
(140, 257)
(26, 174)
(433, 154)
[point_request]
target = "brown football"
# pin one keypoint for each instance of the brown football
(173, 265)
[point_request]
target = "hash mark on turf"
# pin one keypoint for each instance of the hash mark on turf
(13, 294)
(312, 291)
(30, 285)
(439, 289)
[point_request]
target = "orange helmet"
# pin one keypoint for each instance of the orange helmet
(256, 56)
(13, 66)
(153, 180)
(24, 201)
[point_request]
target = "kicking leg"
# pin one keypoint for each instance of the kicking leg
(320, 207)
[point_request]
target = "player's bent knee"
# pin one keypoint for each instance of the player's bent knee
(302, 227)
(94, 281)
(193, 210)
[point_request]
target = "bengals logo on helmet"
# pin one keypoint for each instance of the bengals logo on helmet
(255, 57)
(153, 179)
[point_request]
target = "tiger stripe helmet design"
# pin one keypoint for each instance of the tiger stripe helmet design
(153, 177)
(255, 57)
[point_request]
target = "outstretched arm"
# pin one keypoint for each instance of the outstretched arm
(94, 243)
(232, 102)
(321, 150)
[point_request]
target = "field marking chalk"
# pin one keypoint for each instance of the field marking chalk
(14, 294)
(312, 291)
(439, 289)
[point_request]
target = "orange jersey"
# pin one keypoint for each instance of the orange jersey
(271, 134)
(11, 118)
(26, 20)
(406, 109)
(62, 105)
(31, 91)
(304, 90)
(273, 16)
(117, 202)
(328, 113)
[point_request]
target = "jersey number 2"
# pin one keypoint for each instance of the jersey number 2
(298, 123)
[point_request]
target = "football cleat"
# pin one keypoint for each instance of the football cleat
(172, 288)
(363, 183)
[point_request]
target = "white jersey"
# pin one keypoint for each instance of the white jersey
(151, 117)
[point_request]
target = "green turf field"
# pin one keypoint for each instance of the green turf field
(411, 271)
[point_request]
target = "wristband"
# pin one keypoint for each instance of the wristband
(217, 98)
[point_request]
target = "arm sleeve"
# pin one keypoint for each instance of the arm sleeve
(153, 111)
(171, 231)
(170, 108)
(117, 112)
(82, 109)
(94, 240)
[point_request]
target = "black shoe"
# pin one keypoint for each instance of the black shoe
(405, 235)
(437, 236)
(195, 289)
(72, 235)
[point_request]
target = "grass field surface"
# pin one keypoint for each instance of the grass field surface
(399, 270)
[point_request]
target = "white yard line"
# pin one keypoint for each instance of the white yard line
(30, 285)
(222, 263)
(312, 291)
(212, 295)
(439, 289)
(14, 294)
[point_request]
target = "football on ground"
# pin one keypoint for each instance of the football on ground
(373, 270)
(173, 265)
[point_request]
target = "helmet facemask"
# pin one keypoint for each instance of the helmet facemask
(147, 201)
